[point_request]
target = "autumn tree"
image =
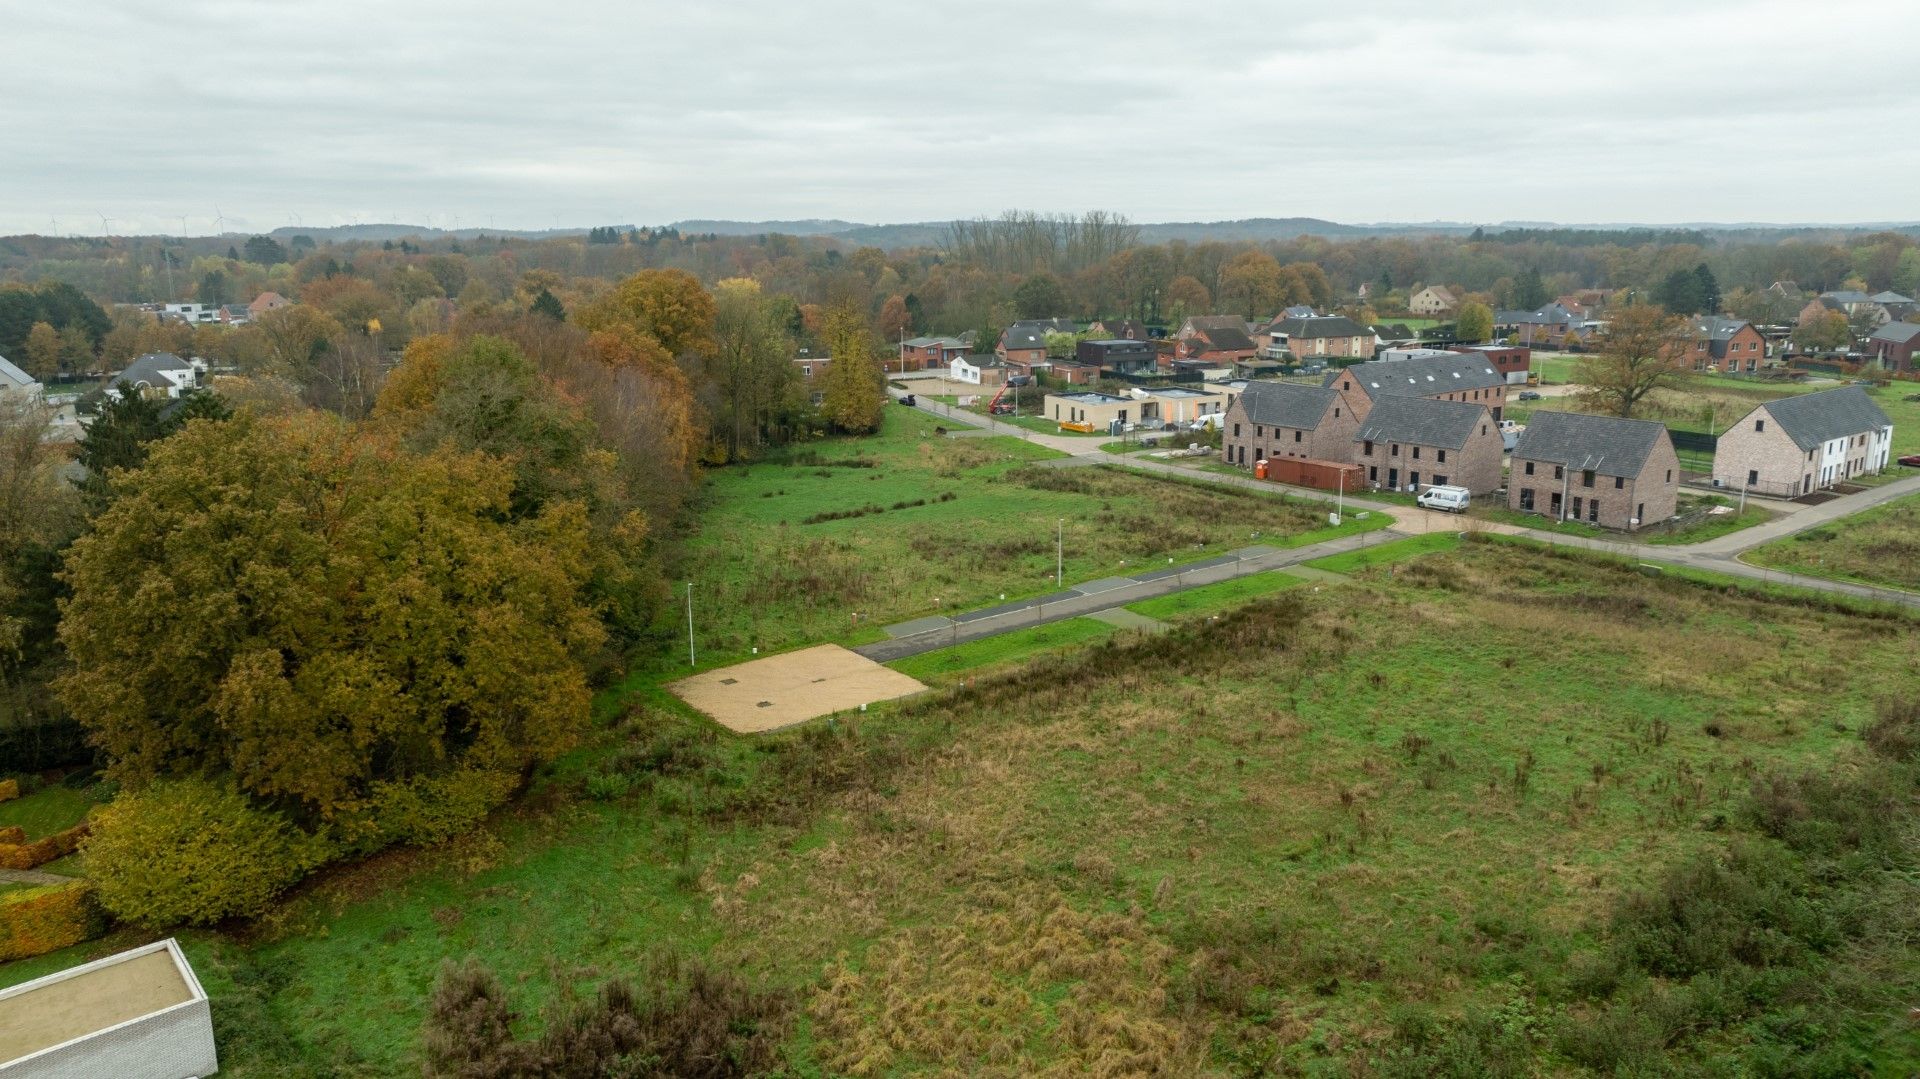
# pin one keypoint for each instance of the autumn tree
(1038, 296)
(853, 386)
(42, 351)
(1827, 332)
(668, 306)
(352, 633)
(896, 321)
(751, 364)
(1474, 322)
(1187, 296)
(1252, 284)
(39, 513)
(1637, 356)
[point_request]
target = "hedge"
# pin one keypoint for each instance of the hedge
(9, 789)
(23, 855)
(35, 921)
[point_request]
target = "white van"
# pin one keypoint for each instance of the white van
(1451, 499)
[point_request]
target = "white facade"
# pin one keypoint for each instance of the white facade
(140, 1014)
(191, 312)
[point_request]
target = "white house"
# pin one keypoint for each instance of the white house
(977, 370)
(16, 386)
(191, 312)
(159, 374)
(1432, 300)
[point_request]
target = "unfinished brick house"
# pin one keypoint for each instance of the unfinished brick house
(1604, 470)
(1278, 419)
(1412, 443)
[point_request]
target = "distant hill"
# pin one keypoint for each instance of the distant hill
(810, 227)
(378, 233)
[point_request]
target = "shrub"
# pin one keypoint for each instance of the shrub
(1895, 730)
(25, 855)
(35, 921)
(193, 851)
(426, 809)
(9, 789)
(688, 1019)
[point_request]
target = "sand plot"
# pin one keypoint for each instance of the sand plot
(792, 687)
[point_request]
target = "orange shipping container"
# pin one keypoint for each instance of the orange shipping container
(1306, 472)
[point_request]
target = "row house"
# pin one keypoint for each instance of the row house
(1410, 443)
(1797, 445)
(1319, 335)
(1604, 470)
(1892, 346)
(1280, 419)
(1449, 376)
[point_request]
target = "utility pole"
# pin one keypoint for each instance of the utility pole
(690, 659)
(1743, 493)
(1060, 554)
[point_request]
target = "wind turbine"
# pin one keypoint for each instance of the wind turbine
(183, 226)
(55, 222)
(106, 226)
(219, 221)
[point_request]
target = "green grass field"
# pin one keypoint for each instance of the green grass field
(815, 548)
(976, 657)
(48, 810)
(1878, 547)
(1214, 598)
(1333, 832)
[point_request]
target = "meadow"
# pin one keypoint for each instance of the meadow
(835, 540)
(1880, 546)
(1418, 823)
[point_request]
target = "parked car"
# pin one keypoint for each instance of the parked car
(1529, 395)
(1448, 498)
(907, 400)
(1911, 460)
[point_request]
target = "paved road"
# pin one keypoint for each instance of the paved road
(1720, 554)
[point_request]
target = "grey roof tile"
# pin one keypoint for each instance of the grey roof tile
(1608, 445)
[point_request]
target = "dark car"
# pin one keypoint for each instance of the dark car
(1529, 395)
(907, 400)
(1911, 460)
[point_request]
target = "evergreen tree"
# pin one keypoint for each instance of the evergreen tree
(549, 305)
(1680, 293)
(1708, 290)
(118, 438)
(1529, 292)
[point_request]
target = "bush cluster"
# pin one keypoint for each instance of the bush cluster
(192, 851)
(686, 1019)
(35, 921)
(24, 855)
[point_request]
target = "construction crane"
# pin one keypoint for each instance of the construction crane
(995, 407)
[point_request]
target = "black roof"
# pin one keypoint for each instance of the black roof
(1422, 376)
(1422, 421)
(1608, 445)
(1897, 332)
(1285, 404)
(1227, 338)
(1813, 418)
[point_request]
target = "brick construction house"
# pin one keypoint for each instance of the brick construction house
(1447, 376)
(1432, 300)
(1320, 335)
(1217, 344)
(1798, 445)
(1727, 345)
(931, 353)
(1615, 473)
(1892, 346)
(1280, 419)
(1418, 442)
(1513, 361)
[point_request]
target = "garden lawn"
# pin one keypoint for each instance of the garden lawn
(1278, 842)
(48, 810)
(850, 535)
(976, 657)
(1880, 546)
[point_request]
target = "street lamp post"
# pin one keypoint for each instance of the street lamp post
(1060, 554)
(690, 659)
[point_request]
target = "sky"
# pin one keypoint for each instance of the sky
(202, 116)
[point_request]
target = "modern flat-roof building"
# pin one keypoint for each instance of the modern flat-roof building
(140, 1014)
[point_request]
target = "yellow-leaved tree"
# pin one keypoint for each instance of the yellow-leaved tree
(360, 637)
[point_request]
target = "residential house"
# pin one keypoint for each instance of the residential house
(158, 374)
(981, 370)
(1450, 376)
(1513, 361)
(1281, 419)
(1315, 336)
(1196, 324)
(235, 314)
(1217, 344)
(1727, 345)
(812, 370)
(1555, 326)
(1615, 473)
(190, 312)
(1410, 443)
(1179, 406)
(1071, 372)
(1121, 329)
(1797, 445)
(1892, 346)
(16, 386)
(1889, 297)
(931, 353)
(1120, 356)
(1100, 411)
(1417, 352)
(1026, 340)
(1394, 335)
(267, 301)
(1432, 301)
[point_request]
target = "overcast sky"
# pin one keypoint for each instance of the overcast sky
(530, 115)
